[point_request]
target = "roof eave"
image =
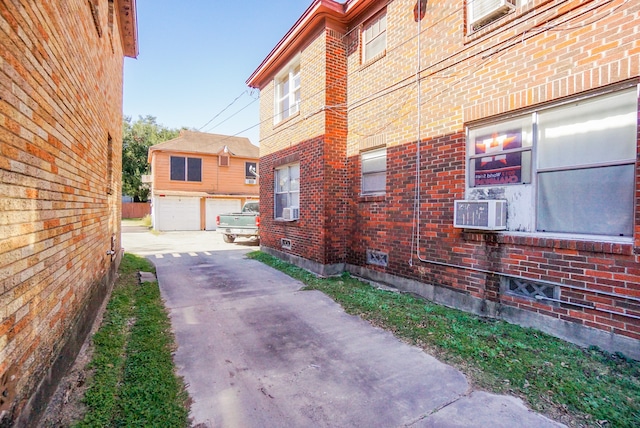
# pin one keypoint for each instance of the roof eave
(126, 10)
(295, 37)
(327, 11)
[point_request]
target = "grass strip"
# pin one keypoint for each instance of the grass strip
(580, 387)
(134, 381)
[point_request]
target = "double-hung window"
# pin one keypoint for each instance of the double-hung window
(186, 169)
(374, 171)
(374, 37)
(288, 92)
(579, 158)
(586, 166)
(287, 189)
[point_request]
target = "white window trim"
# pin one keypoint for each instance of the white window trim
(289, 192)
(372, 153)
(288, 74)
(368, 58)
(536, 171)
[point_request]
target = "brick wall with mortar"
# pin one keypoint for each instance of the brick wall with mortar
(60, 115)
(309, 122)
(322, 163)
(545, 50)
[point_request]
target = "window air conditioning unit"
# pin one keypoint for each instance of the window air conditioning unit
(292, 213)
(486, 214)
(249, 181)
(480, 12)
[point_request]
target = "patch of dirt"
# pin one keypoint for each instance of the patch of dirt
(66, 407)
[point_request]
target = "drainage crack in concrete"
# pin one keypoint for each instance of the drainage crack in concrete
(437, 409)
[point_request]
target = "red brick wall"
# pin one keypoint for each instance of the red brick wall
(335, 154)
(60, 102)
(543, 52)
(322, 172)
(308, 234)
(588, 272)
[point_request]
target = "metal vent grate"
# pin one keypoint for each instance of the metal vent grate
(285, 243)
(377, 258)
(527, 288)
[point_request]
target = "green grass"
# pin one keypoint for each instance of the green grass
(134, 381)
(578, 386)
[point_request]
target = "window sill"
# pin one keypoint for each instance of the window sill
(606, 245)
(380, 197)
(373, 60)
(287, 222)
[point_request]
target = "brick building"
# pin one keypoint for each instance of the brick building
(61, 72)
(376, 117)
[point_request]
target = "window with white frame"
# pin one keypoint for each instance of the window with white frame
(287, 92)
(287, 189)
(374, 37)
(583, 170)
(374, 171)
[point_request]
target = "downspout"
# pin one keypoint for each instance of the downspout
(415, 234)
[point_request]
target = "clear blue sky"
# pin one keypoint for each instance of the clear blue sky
(195, 56)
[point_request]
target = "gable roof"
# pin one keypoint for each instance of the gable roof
(212, 144)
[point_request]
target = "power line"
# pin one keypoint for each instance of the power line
(483, 54)
(233, 115)
(224, 109)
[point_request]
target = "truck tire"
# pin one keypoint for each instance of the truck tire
(228, 238)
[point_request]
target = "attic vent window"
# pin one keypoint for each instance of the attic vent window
(223, 160)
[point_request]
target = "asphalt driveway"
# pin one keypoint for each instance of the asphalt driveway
(255, 351)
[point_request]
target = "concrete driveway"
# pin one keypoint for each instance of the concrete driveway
(255, 351)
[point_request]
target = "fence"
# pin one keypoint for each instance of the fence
(135, 209)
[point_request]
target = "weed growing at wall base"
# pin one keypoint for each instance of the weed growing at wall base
(579, 387)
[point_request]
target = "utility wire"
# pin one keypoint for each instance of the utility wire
(224, 109)
(483, 54)
(233, 115)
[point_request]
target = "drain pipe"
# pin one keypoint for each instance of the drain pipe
(415, 233)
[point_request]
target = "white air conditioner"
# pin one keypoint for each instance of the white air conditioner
(249, 181)
(480, 12)
(290, 214)
(488, 214)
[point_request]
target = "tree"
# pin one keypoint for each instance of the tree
(137, 137)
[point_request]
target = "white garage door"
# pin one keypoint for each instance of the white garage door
(176, 213)
(215, 207)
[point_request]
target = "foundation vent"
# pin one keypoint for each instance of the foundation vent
(377, 258)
